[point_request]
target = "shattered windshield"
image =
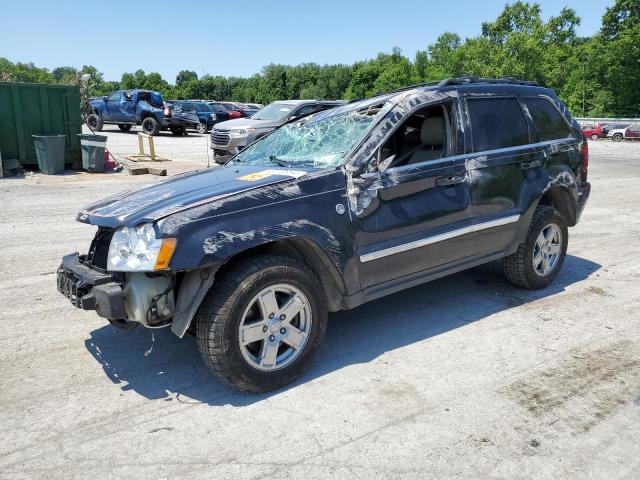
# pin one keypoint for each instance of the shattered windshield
(322, 140)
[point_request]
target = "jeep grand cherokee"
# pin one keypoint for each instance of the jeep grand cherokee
(336, 209)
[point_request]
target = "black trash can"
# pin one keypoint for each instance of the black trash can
(93, 151)
(50, 153)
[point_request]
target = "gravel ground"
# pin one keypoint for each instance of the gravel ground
(463, 377)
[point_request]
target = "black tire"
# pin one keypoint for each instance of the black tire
(201, 128)
(219, 316)
(617, 137)
(125, 127)
(595, 136)
(179, 131)
(519, 267)
(94, 122)
(150, 126)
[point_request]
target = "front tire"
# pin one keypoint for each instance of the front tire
(539, 258)
(94, 122)
(201, 128)
(595, 136)
(150, 126)
(261, 324)
(617, 137)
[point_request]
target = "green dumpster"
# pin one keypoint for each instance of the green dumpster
(93, 151)
(50, 153)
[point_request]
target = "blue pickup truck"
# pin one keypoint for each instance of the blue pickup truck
(126, 108)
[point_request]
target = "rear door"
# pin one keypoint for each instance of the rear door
(502, 158)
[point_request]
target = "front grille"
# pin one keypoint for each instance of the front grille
(99, 249)
(220, 137)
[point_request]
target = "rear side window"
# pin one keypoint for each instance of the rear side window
(549, 123)
(497, 123)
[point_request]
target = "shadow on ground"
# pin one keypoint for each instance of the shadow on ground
(174, 368)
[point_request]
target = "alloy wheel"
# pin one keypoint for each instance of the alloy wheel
(547, 250)
(275, 327)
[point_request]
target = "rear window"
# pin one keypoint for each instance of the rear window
(497, 123)
(550, 124)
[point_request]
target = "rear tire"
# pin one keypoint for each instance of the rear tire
(526, 268)
(94, 122)
(595, 136)
(125, 127)
(617, 137)
(150, 126)
(238, 299)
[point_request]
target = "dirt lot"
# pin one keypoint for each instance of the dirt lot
(464, 377)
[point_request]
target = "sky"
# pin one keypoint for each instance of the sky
(239, 37)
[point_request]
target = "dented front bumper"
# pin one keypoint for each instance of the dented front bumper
(89, 289)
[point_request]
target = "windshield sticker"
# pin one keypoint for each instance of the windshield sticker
(254, 177)
(285, 109)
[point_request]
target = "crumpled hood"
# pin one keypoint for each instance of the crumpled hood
(246, 123)
(151, 203)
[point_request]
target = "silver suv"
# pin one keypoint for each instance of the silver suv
(230, 137)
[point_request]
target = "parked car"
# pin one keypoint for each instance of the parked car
(222, 114)
(255, 106)
(631, 132)
(594, 132)
(205, 112)
(238, 110)
(339, 208)
(613, 126)
(230, 137)
(126, 108)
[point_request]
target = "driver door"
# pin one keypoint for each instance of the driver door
(113, 109)
(414, 213)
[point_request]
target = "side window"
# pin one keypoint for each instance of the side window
(497, 123)
(424, 136)
(114, 97)
(302, 111)
(550, 125)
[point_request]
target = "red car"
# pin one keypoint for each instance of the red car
(593, 132)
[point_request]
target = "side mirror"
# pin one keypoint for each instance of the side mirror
(104, 99)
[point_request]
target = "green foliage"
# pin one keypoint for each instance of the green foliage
(598, 75)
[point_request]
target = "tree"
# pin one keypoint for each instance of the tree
(185, 76)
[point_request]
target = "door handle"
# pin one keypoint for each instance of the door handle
(530, 165)
(449, 180)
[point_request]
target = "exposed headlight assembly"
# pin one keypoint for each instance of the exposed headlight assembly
(213, 116)
(138, 250)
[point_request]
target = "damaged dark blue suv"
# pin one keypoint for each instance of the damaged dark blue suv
(334, 210)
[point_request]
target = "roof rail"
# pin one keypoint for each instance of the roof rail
(408, 87)
(472, 79)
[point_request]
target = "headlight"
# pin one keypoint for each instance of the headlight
(137, 249)
(240, 132)
(213, 116)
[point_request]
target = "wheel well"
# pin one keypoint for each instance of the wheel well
(306, 251)
(560, 199)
